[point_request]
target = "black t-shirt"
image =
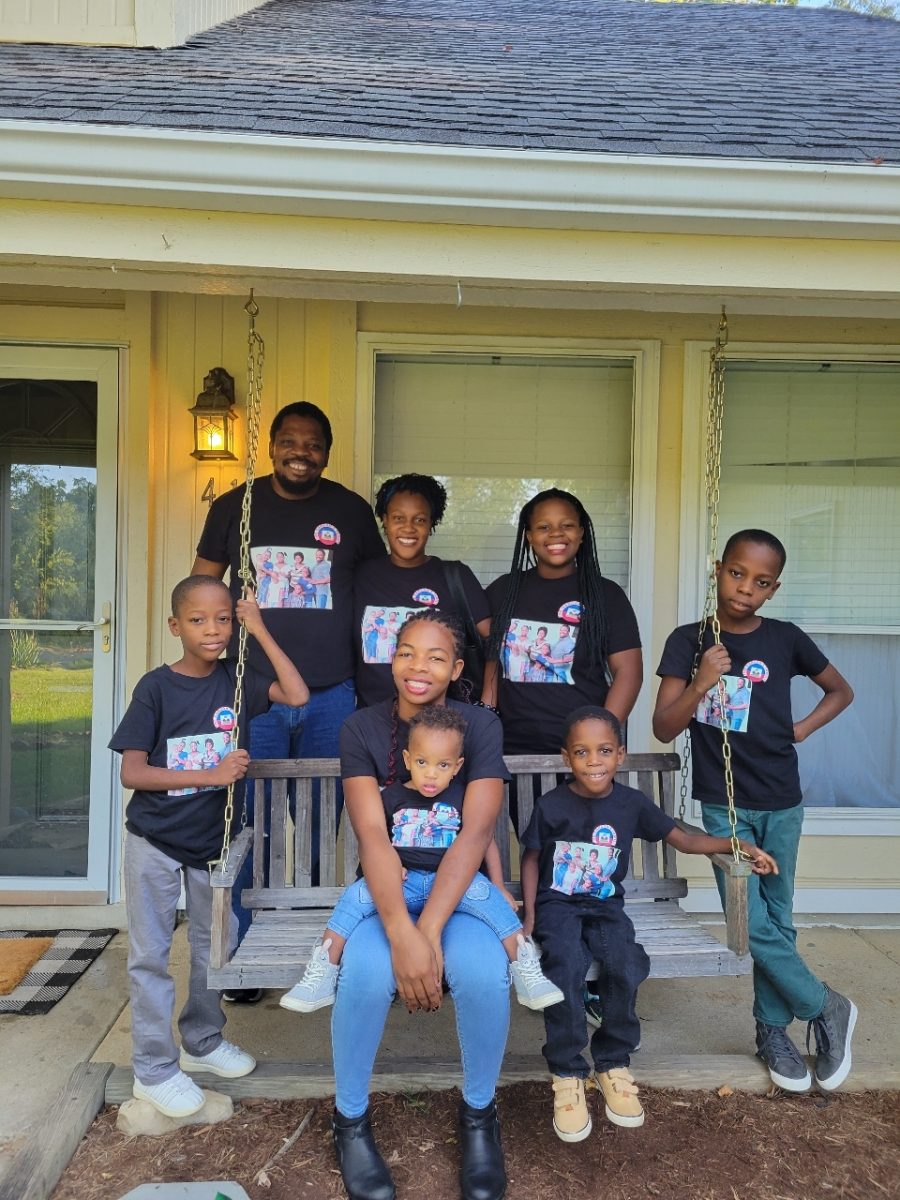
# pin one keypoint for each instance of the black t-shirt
(366, 744)
(543, 647)
(585, 844)
(186, 723)
(758, 710)
(304, 553)
(384, 595)
(422, 828)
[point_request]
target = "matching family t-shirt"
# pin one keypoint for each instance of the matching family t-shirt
(304, 555)
(584, 844)
(757, 712)
(384, 596)
(187, 724)
(546, 674)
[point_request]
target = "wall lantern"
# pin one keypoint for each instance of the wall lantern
(214, 418)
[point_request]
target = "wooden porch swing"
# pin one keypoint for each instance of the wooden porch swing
(289, 913)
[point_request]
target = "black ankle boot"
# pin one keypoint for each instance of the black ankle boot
(363, 1170)
(482, 1175)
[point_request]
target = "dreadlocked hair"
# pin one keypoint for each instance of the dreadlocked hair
(426, 486)
(593, 627)
(434, 617)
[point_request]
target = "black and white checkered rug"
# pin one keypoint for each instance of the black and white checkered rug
(71, 954)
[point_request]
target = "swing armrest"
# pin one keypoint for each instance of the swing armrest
(226, 876)
(725, 862)
(737, 934)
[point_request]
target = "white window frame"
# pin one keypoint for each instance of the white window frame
(837, 822)
(644, 356)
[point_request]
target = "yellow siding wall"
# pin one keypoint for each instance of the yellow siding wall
(311, 354)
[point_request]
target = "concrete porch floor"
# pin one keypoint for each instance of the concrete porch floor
(695, 1032)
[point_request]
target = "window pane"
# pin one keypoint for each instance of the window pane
(496, 430)
(811, 451)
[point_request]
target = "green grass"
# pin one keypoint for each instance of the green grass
(51, 724)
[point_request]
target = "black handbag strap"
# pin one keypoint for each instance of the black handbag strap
(460, 600)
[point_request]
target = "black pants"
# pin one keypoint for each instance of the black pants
(573, 932)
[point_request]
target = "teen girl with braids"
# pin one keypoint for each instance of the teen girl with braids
(556, 588)
(393, 951)
(410, 507)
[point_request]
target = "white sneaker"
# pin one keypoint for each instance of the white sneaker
(533, 988)
(318, 986)
(227, 1060)
(175, 1097)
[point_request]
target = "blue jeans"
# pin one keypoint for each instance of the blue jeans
(477, 971)
(784, 988)
(307, 732)
(480, 900)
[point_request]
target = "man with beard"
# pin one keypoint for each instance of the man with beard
(296, 511)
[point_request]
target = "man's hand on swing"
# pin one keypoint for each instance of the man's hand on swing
(232, 768)
(248, 612)
(762, 863)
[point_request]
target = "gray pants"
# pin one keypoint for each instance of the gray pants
(152, 889)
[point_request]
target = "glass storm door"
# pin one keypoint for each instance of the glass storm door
(58, 415)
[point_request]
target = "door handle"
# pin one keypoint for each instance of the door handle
(104, 622)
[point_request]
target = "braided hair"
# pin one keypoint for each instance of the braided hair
(432, 616)
(425, 486)
(594, 626)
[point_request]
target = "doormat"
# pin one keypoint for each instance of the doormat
(17, 957)
(70, 953)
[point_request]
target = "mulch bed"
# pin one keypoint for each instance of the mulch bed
(693, 1146)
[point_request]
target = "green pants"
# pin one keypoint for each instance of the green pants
(784, 988)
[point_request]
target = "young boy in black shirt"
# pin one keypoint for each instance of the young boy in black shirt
(743, 684)
(575, 855)
(175, 826)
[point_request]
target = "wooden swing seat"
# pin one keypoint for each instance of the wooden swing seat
(289, 914)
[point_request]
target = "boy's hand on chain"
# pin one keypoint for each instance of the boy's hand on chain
(232, 767)
(248, 611)
(715, 662)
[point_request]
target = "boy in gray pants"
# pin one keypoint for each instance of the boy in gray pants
(175, 824)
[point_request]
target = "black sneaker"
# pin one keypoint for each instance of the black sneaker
(243, 995)
(833, 1029)
(782, 1057)
(593, 1009)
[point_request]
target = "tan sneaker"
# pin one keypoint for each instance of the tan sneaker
(571, 1119)
(621, 1096)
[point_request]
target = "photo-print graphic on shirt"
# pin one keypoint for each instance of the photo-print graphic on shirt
(197, 752)
(292, 576)
(380, 625)
(738, 692)
(539, 651)
(433, 829)
(586, 868)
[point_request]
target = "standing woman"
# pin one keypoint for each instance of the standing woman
(555, 587)
(410, 507)
(391, 951)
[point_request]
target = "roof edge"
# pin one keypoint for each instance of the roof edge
(459, 184)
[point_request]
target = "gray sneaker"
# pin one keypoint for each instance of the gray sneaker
(781, 1056)
(833, 1029)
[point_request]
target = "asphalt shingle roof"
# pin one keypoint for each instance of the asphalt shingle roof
(617, 76)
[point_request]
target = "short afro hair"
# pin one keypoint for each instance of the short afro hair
(759, 537)
(182, 590)
(425, 486)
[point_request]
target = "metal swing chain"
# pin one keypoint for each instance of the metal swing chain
(714, 424)
(256, 353)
